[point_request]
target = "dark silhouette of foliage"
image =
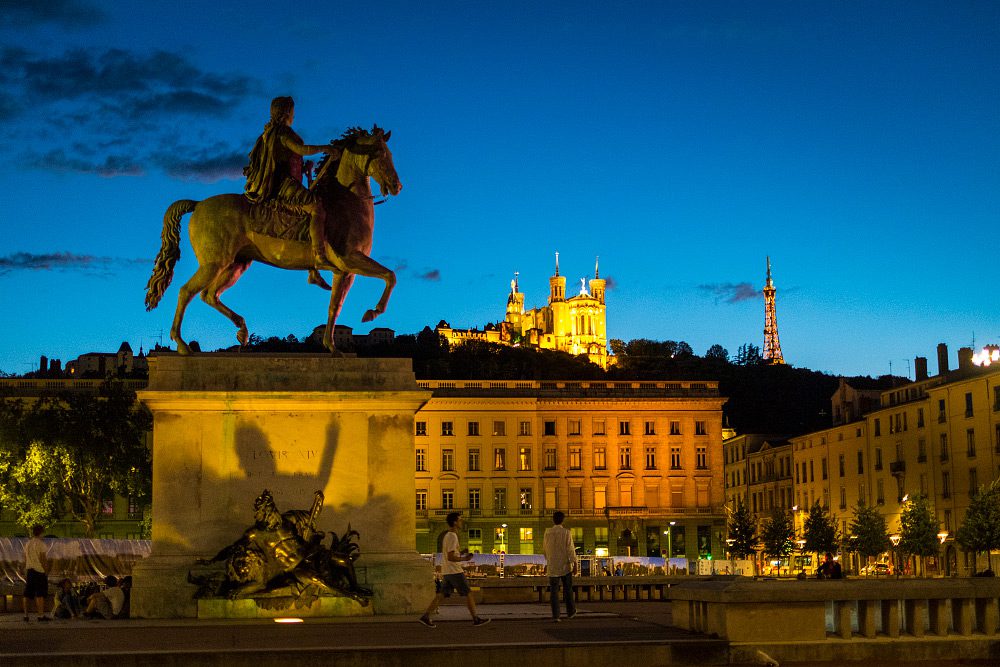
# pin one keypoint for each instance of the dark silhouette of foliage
(869, 535)
(742, 530)
(918, 528)
(980, 529)
(777, 534)
(820, 530)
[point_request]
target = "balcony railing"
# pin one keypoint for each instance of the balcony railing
(897, 467)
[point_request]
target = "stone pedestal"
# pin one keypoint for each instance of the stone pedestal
(227, 426)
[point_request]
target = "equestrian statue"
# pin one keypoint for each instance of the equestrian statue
(278, 221)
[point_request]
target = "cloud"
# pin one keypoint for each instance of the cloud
(64, 261)
(28, 13)
(610, 283)
(732, 292)
(434, 275)
(117, 112)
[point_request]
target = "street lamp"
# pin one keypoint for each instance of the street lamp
(503, 538)
(670, 537)
(895, 538)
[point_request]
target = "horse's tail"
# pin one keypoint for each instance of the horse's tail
(170, 251)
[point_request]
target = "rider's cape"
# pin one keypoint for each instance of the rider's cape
(268, 163)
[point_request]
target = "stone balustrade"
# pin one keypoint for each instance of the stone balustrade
(743, 610)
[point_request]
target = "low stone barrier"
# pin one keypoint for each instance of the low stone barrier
(782, 613)
(585, 589)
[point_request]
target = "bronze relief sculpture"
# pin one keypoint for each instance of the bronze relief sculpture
(281, 561)
(281, 223)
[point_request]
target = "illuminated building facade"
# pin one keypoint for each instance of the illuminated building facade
(577, 324)
(938, 436)
(636, 466)
(758, 471)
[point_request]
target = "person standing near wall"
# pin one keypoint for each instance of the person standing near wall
(452, 574)
(36, 578)
(560, 565)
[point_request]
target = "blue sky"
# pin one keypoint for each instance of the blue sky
(856, 143)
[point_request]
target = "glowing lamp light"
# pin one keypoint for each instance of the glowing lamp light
(286, 619)
(943, 535)
(895, 539)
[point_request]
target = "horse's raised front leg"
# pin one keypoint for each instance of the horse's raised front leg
(340, 286)
(361, 264)
(223, 281)
(202, 277)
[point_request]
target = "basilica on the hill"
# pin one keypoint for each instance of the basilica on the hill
(576, 324)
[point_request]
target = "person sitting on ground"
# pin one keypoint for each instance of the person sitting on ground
(106, 603)
(126, 585)
(67, 603)
(829, 568)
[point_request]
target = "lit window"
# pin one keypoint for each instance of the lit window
(447, 428)
(421, 428)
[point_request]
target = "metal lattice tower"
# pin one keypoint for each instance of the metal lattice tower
(772, 346)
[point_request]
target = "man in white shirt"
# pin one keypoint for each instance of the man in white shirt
(560, 565)
(106, 603)
(36, 579)
(452, 574)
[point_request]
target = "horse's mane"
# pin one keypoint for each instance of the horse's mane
(347, 139)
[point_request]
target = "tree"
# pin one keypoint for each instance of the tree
(777, 534)
(742, 531)
(820, 530)
(749, 355)
(69, 453)
(869, 536)
(717, 352)
(918, 528)
(980, 529)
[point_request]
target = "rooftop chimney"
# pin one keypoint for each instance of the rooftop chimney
(43, 364)
(964, 358)
(920, 368)
(942, 358)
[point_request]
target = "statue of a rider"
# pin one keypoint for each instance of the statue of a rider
(275, 173)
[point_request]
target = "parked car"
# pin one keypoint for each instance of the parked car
(877, 569)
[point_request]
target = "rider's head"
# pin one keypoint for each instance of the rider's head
(282, 109)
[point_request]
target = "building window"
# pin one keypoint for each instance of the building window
(701, 457)
(675, 428)
(920, 417)
(133, 509)
(500, 500)
(812, 475)
(573, 427)
(944, 446)
(107, 506)
(942, 411)
(598, 427)
(921, 450)
(649, 428)
(447, 460)
(923, 483)
(500, 428)
(880, 488)
(861, 462)
(447, 499)
(575, 458)
(550, 458)
(997, 446)
(473, 428)
(525, 499)
(600, 497)
(527, 536)
(947, 520)
(524, 458)
(843, 498)
(822, 465)
(524, 428)
(600, 459)
(840, 462)
(500, 458)
(625, 458)
(700, 429)
(970, 442)
(550, 497)
(421, 428)
(474, 499)
(422, 500)
(996, 399)
(878, 459)
(476, 540)
(624, 428)
(675, 458)
(549, 428)
(968, 404)
(474, 459)
(650, 458)
(447, 428)
(861, 493)
(625, 496)
(878, 427)
(973, 482)
(421, 459)
(945, 485)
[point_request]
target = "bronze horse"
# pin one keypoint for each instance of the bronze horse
(226, 237)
